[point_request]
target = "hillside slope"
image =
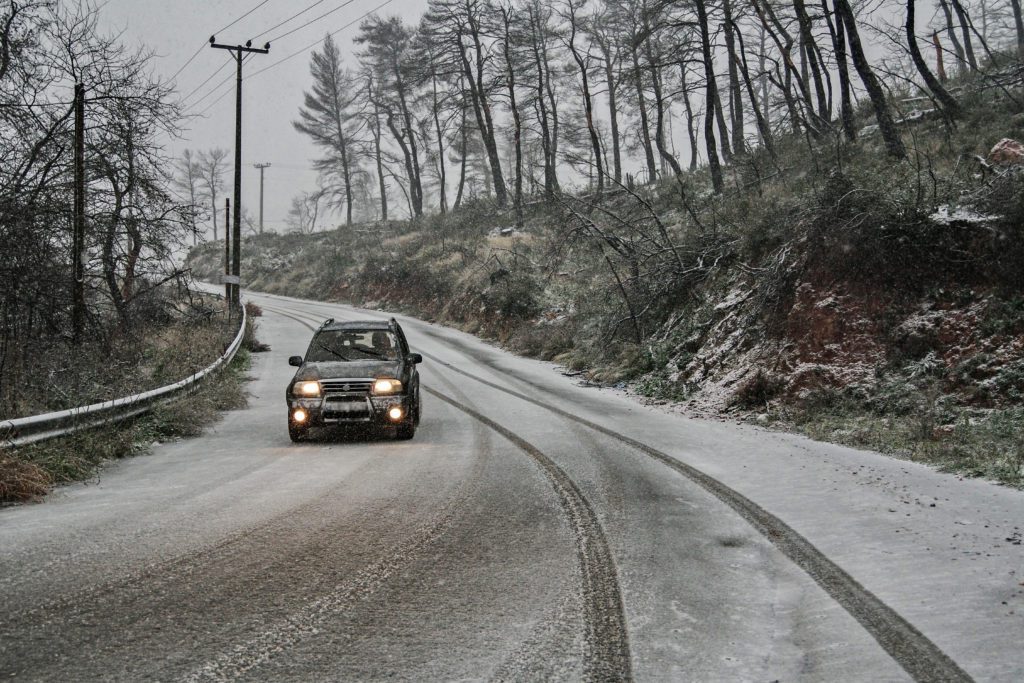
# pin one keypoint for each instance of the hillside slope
(828, 289)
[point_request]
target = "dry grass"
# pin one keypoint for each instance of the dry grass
(28, 472)
(401, 240)
(510, 241)
(21, 480)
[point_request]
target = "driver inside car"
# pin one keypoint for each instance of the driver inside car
(382, 346)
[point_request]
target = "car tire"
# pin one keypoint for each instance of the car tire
(296, 432)
(406, 431)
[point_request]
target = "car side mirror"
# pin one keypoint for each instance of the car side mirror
(296, 361)
(415, 358)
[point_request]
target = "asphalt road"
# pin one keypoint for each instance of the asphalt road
(534, 529)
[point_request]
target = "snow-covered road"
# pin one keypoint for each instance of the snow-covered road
(533, 529)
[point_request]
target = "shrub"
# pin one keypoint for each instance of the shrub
(757, 391)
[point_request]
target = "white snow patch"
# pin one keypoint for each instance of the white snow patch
(943, 216)
(736, 296)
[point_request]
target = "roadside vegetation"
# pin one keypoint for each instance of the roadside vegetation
(828, 289)
(182, 345)
(93, 304)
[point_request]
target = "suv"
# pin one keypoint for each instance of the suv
(355, 374)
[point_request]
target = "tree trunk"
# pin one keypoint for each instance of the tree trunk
(785, 48)
(723, 129)
(613, 113)
(412, 162)
(712, 89)
(958, 49)
(553, 109)
(965, 31)
(443, 199)
(1019, 23)
(375, 129)
(762, 124)
(415, 208)
(886, 125)
(690, 129)
(940, 65)
(659, 110)
(809, 45)
(839, 45)
(517, 124)
(645, 126)
(486, 123)
(550, 177)
(735, 94)
(949, 105)
(462, 151)
(588, 104)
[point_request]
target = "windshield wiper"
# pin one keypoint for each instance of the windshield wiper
(332, 351)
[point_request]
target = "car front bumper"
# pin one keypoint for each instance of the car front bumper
(348, 410)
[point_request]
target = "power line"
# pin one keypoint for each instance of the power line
(312, 21)
(211, 105)
(317, 42)
(241, 17)
(213, 90)
(182, 67)
(200, 49)
(208, 79)
(285, 59)
(299, 13)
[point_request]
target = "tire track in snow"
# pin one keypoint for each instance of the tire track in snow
(606, 638)
(922, 659)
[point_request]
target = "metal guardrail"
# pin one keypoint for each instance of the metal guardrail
(26, 430)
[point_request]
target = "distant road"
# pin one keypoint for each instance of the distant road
(533, 529)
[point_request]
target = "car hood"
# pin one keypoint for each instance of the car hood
(349, 369)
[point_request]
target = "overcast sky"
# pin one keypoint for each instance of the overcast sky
(176, 29)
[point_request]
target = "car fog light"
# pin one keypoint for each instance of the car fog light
(395, 413)
(299, 415)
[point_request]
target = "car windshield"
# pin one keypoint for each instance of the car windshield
(349, 345)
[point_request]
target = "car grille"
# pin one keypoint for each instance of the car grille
(346, 386)
(346, 408)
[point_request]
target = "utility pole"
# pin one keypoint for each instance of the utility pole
(227, 251)
(78, 243)
(236, 226)
(261, 167)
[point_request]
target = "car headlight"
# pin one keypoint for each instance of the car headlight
(306, 389)
(386, 385)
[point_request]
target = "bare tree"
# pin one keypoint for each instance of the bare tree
(373, 123)
(212, 165)
(709, 100)
(604, 30)
(511, 64)
(188, 180)
(388, 54)
(583, 64)
(460, 27)
(332, 118)
(949, 104)
(545, 102)
(883, 115)
(133, 221)
(304, 212)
